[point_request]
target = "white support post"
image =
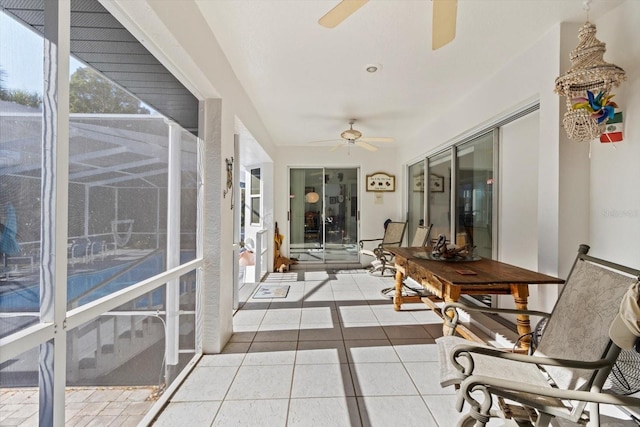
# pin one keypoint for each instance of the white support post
(115, 218)
(262, 261)
(257, 272)
(173, 250)
(158, 214)
(237, 208)
(54, 209)
(213, 323)
(199, 240)
(86, 211)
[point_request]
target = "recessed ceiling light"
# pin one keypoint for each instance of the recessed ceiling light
(372, 68)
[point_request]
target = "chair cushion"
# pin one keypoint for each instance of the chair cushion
(567, 335)
(484, 365)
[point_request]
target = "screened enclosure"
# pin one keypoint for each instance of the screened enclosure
(119, 286)
(117, 231)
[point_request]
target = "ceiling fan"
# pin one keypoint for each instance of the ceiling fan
(443, 26)
(352, 137)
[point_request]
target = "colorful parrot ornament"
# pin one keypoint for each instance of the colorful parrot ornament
(600, 106)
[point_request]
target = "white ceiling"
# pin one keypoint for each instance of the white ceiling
(307, 81)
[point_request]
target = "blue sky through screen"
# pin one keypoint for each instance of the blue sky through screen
(21, 56)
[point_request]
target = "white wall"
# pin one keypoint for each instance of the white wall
(615, 168)
(579, 199)
(372, 215)
(518, 226)
(524, 79)
(518, 210)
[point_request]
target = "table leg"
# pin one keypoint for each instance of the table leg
(451, 294)
(520, 296)
(397, 299)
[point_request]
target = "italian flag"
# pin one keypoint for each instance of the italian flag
(613, 129)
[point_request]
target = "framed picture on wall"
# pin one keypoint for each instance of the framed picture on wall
(333, 200)
(436, 183)
(381, 181)
(418, 183)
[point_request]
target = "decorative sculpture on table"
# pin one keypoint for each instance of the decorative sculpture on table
(446, 252)
(587, 85)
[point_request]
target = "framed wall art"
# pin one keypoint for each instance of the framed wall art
(436, 183)
(381, 181)
(418, 183)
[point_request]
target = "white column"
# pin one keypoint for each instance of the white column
(158, 193)
(87, 188)
(215, 285)
(237, 208)
(54, 210)
(173, 248)
(200, 237)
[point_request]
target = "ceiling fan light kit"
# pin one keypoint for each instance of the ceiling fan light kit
(351, 134)
(353, 137)
(312, 197)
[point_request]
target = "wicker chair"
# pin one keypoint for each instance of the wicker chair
(421, 237)
(393, 237)
(564, 377)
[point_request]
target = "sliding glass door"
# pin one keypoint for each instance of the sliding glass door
(306, 207)
(323, 209)
(474, 194)
(439, 191)
(416, 198)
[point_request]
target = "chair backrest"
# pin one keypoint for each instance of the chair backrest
(578, 328)
(393, 234)
(311, 221)
(422, 236)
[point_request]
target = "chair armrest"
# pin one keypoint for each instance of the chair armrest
(361, 242)
(496, 385)
(466, 351)
(382, 253)
(453, 321)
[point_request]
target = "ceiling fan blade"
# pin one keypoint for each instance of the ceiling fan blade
(335, 147)
(341, 12)
(366, 146)
(325, 140)
(444, 22)
(376, 139)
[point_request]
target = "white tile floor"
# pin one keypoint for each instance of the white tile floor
(332, 353)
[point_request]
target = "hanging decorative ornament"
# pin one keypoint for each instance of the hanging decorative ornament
(587, 85)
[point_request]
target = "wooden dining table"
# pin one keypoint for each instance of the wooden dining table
(449, 279)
